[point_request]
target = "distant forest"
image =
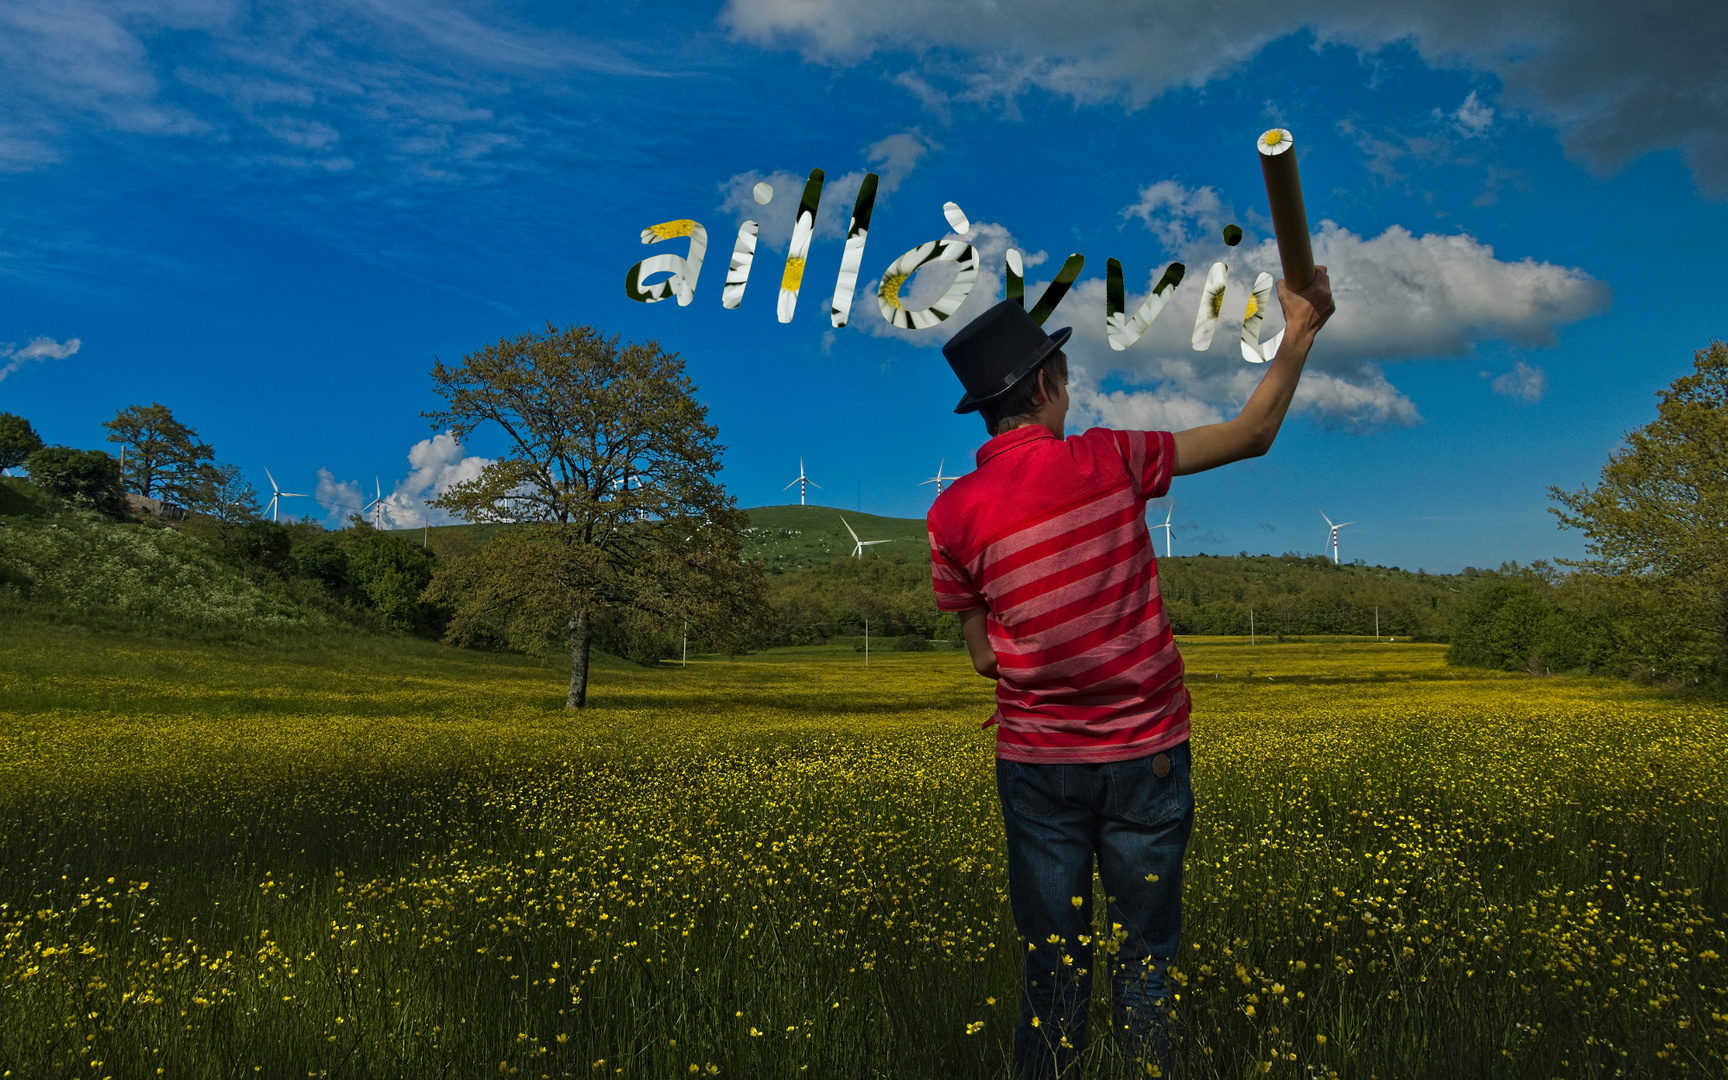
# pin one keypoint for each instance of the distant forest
(1275, 595)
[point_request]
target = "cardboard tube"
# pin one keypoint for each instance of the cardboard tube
(1289, 218)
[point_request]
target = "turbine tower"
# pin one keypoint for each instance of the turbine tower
(938, 479)
(376, 506)
(277, 495)
(801, 481)
(1334, 536)
(624, 482)
(1168, 531)
(858, 545)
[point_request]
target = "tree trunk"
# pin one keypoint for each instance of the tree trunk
(581, 636)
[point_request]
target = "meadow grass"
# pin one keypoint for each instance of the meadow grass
(380, 858)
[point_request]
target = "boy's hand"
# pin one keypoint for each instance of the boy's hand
(1306, 312)
(977, 635)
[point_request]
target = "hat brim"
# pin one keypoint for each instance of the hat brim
(969, 403)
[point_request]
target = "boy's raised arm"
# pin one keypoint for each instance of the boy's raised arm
(1251, 433)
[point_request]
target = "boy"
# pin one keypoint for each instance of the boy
(1045, 554)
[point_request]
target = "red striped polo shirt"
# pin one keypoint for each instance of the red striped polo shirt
(1050, 535)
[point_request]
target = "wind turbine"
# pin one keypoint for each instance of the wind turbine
(938, 479)
(277, 495)
(376, 506)
(641, 515)
(1168, 531)
(860, 545)
(801, 481)
(1335, 529)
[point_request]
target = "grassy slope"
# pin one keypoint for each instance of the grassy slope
(784, 537)
(374, 859)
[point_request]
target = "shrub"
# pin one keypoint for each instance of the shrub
(912, 643)
(392, 573)
(79, 568)
(85, 478)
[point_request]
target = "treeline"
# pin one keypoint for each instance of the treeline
(88, 540)
(1286, 595)
(1278, 596)
(1651, 601)
(1541, 620)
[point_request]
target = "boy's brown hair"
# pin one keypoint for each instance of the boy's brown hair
(1019, 402)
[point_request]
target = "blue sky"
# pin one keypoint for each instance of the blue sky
(272, 219)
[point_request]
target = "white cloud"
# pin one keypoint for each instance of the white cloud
(1523, 381)
(1606, 82)
(1164, 409)
(436, 465)
(1473, 117)
(1180, 217)
(410, 87)
(1399, 296)
(41, 348)
(341, 499)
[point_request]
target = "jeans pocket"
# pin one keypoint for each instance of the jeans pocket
(1141, 796)
(1034, 790)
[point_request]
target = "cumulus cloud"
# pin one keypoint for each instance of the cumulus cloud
(891, 159)
(1523, 381)
(435, 466)
(1164, 409)
(1179, 217)
(1399, 296)
(41, 348)
(1604, 80)
(341, 499)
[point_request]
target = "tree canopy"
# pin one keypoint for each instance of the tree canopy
(18, 440)
(1659, 514)
(609, 472)
(164, 458)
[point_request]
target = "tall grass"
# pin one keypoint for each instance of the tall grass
(390, 859)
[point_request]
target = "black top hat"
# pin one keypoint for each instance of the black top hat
(996, 350)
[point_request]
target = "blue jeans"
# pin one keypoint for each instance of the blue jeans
(1057, 817)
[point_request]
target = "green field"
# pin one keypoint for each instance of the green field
(381, 858)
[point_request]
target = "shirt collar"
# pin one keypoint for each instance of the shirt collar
(1020, 436)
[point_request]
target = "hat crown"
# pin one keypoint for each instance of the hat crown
(996, 350)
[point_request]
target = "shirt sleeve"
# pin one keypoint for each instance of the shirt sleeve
(954, 588)
(1151, 460)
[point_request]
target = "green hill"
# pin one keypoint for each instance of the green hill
(783, 537)
(790, 537)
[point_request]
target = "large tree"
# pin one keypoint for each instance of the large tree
(1658, 519)
(164, 458)
(18, 440)
(608, 480)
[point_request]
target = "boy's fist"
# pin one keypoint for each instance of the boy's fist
(1306, 312)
